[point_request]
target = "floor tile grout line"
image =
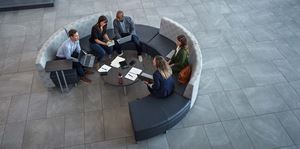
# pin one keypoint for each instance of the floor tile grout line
(284, 128)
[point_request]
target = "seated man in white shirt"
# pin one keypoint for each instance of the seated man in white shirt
(70, 49)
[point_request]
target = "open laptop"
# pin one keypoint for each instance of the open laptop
(86, 59)
(124, 39)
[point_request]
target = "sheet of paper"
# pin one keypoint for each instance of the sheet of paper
(131, 76)
(104, 68)
(169, 56)
(116, 62)
(135, 70)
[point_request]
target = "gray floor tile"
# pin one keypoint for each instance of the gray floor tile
(201, 113)
(112, 144)
(209, 82)
(37, 106)
(244, 35)
(158, 142)
(212, 58)
(217, 136)
(60, 104)
(291, 124)
(50, 133)
(229, 56)
(1, 132)
(265, 100)
(223, 106)
(289, 95)
(237, 134)
(191, 137)
(210, 39)
(4, 107)
(74, 129)
(285, 50)
(75, 147)
(294, 43)
(27, 63)
(18, 109)
(217, 7)
(117, 123)
(244, 54)
(287, 70)
(296, 86)
(131, 144)
(240, 103)
(226, 78)
(92, 98)
(93, 127)
(289, 147)
(266, 132)
(13, 136)
(264, 51)
(109, 97)
(260, 33)
(15, 84)
(264, 73)
(242, 76)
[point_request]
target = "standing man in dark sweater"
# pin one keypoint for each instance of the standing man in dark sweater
(124, 26)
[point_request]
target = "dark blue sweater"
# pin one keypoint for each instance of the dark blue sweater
(162, 87)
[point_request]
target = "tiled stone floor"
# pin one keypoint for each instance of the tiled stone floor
(249, 94)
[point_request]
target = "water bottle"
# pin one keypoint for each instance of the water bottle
(120, 78)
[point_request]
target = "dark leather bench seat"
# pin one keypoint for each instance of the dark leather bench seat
(162, 45)
(151, 116)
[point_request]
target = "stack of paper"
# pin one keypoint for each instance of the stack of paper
(116, 62)
(132, 74)
(104, 68)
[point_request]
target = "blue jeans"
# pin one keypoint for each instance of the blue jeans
(100, 50)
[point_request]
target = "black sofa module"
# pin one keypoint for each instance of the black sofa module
(152, 116)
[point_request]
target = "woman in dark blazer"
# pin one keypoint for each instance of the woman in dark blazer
(180, 58)
(163, 82)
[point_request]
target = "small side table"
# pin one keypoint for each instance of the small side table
(59, 65)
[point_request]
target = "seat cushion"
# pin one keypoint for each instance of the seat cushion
(162, 45)
(151, 116)
(145, 114)
(145, 33)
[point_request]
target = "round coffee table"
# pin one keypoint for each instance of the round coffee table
(112, 77)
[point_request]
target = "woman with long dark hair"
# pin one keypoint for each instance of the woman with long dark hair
(99, 39)
(180, 58)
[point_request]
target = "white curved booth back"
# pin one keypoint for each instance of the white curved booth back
(171, 30)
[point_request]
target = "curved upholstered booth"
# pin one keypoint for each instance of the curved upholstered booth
(149, 116)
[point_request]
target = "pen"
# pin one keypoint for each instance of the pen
(130, 75)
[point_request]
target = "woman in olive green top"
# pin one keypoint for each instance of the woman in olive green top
(180, 58)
